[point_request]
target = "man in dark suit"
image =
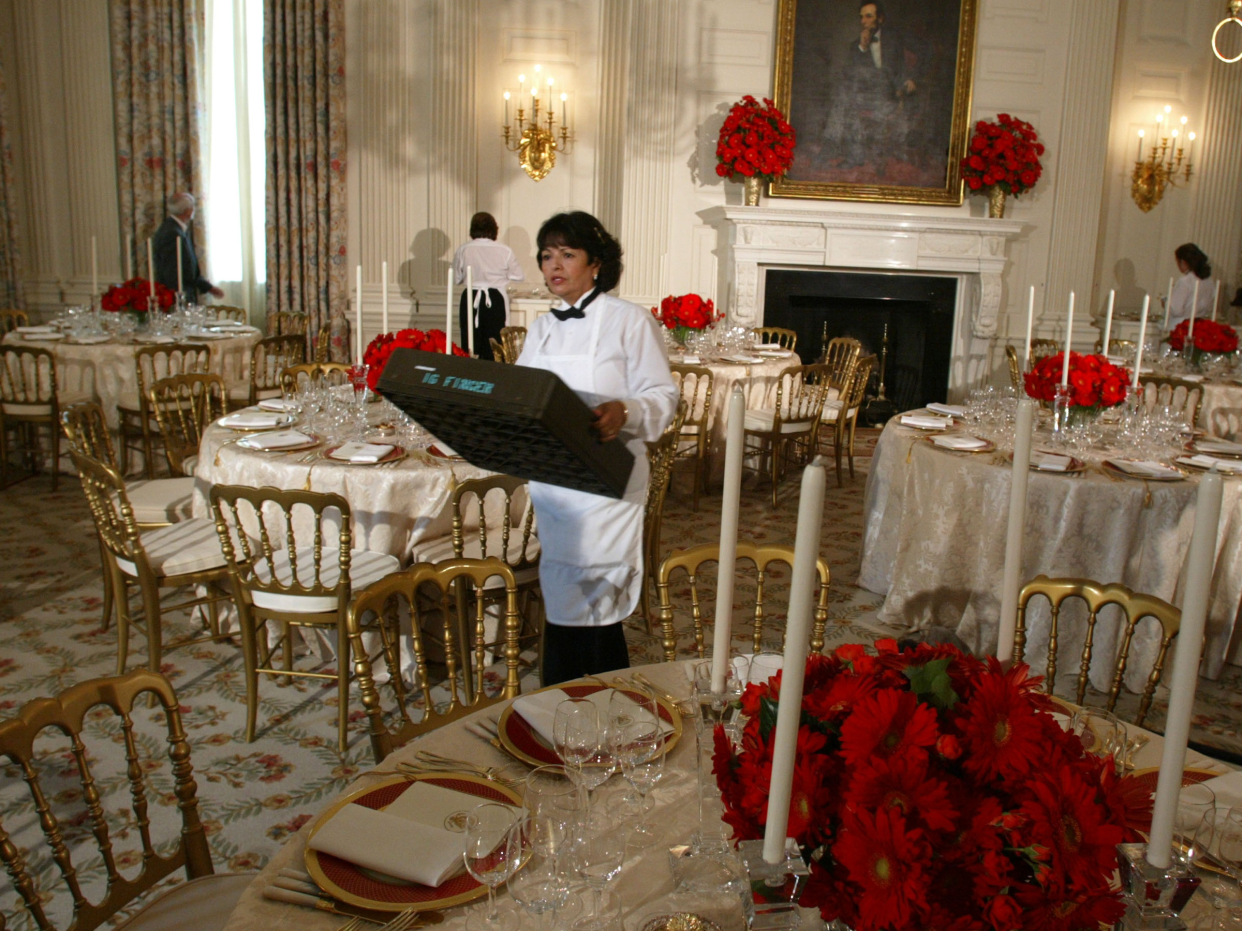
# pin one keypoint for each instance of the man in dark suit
(174, 232)
(877, 79)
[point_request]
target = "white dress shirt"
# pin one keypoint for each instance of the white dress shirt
(494, 264)
(877, 54)
(1184, 293)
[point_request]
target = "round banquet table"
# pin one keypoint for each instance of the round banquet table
(758, 380)
(645, 878)
(107, 372)
(934, 546)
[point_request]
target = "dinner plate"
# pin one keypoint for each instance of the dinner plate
(1075, 464)
(1230, 468)
(366, 888)
(987, 447)
(397, 452)
(1194, 446)
(282, 421)
(42, 337)
(1108, 466)
(247, 442)
(522, 742)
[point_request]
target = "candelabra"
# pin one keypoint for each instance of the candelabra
(1167, 164)
(536, 143)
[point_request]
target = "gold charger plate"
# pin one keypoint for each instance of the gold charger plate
(1193, 447)
(357, 886)
(681, 921)
(521, 741)
(1108, 466)
(1232, 468)
(397, 452)
(931, 437)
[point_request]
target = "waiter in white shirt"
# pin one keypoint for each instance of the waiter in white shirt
(493, 266)
(611, 353)
(1193, 263)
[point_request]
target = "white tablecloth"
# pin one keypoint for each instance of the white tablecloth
(934, 545)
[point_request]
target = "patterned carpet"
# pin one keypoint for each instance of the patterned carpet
(253, 796)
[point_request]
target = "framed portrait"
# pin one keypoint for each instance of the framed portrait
(879, 93)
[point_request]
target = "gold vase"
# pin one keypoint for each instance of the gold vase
(996, 202)
(752, 187)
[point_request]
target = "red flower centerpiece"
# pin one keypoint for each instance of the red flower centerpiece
(684, 313)
(756, 144)
(377, 353)
(135, 295)
(934, 789)
(1210, 337)
(1003, 159)
(1094, 382)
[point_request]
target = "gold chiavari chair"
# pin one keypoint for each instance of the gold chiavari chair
(660, 457)
(295, 376)
(456, 583)
(692, 560)
(1226, 422)
(228, 312)
(285, 569)
(139, 430)
(1042, 348)
(286, 323)
(841, 413)
(169, 558)
(512, 339)
(29, 401)
(1124, 348)
(773, 434)
(321, 346)
(776, 336)
(1134, 606)
(696, 384)
(111, 798)
(498, 351)
(1177, 393)
(268, 361)
(184, 405)
(841, 356)
(11, 319)
(1015, 367)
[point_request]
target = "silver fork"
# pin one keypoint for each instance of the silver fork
(404, 920)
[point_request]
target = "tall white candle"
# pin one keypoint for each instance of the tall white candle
(95, 270)
(470, 309)
(384, 304)
(1030, 323)
(1108, 321)
(151, 275)
(180, 283)
(793, 669)
(358, 299)
(129, 257)
(1168, 304)
(1194, 312)
(1069, 338)
(1138, 352)
(448, 314)
(1199, 564)
(735, 440)
(1216, 300)
(1017, 523)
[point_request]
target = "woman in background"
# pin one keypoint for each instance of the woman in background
(1194, 266)
(493, 265)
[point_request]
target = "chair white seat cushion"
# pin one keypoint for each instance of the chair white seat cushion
(186, 546)
(365, 567)
(440, 549)
(202, 904)
(41, 408)
(161, 500)
(832, 410)
(762, 421)
(188, 465)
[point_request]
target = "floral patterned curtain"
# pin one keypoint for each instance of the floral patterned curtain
(156, 49)
(10, 254)
(304, 90)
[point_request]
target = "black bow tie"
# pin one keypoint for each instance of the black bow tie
(571, 313)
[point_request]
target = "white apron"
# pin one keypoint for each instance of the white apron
(590, 567)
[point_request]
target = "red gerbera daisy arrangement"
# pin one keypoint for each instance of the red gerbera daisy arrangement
(135, 295)
(686, 312)
(377, 353)
(1094, 382)
(1003, 154)
(934, 789)
(755, 140)
(1210, 336)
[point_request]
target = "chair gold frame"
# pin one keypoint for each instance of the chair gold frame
(800, 394)
(1134, 605)
(269, 359)
(463, 652)
(841, 355)
(11, 319)
(660, 457)
(138, 427)
(691, 561)
(314, 371)
(697, 385)
(68, 714)
(229, 312)
(287, 323)
(29, 399)
(1162, 390)
(1124, 348)
(321, 345)
(1042, 348)
(776, 336)
(248, 520)
(1015, 367)
(512, 340)
(845, 419)
(184, 406)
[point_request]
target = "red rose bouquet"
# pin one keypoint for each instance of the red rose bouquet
(685, 313)
(934, 789)
(1210, 336)
(755, 140)
(1003, 154)
(377, 353)
(135, 295)
(1094, 382)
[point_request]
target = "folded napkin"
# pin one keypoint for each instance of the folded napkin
(774, 353)
(927, 422)
(957, 441)
(279, 440)
(1227, 788)
(95, 340)
(445, 450)
(50, 336)
(1050, 462)
(279, 404)
(953, 410)
(255, 420)
(1147, 468)
(159, 339)
(1215, 445)
(228, 323)
(691, 359)
(742, 360)
(392, 845)
(1227, 466)
(1118, 360)
(539, 710)
(1190, 377)
(40, 328)
(361, 452)
(430, 804)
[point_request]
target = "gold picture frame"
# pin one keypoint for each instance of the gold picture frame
(886, 149)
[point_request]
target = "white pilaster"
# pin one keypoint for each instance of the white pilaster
(1217, 228)
(613, 85)
(453, 172)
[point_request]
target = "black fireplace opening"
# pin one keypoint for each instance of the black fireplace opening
(917, 309)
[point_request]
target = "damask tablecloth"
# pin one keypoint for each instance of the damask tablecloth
(934, 545)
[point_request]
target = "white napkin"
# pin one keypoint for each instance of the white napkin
(957, 441)
(361, 452)
(743, 360)
(1215, 445)
(392, 845)
(953, 410)
(1144, 467)
(1227, 466)
(159, 339)
(40, 328)
(691, 359)
(446, 450)
(93, 340)
(48, 337)
(279, 404)
(1189, 377)
(926, 422)
(1117, 360)
(228, 323)
(255, 420)
(276, 440)
(1227, 788)
(539, 710)
(774, 353)
(1050, 462)
(430, 804)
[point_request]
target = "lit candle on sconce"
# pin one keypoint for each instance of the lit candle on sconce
(1190, 155)
(1141, 134)
(564, 97)
(506, 108)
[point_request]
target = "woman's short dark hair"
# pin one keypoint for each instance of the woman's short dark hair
(579, 230)
(483, 226)
(1196, 258)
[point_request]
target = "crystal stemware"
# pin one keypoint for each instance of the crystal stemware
(598, 854)
(577, 734)
(493, 848)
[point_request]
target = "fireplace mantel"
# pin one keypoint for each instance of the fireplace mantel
(972, 248)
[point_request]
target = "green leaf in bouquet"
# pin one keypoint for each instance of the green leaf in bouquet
(931, 683)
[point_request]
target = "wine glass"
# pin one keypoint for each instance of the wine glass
(642, 765)
(553, 804)
(540, 886)
(765, 665)
(598, 854)
(493, 847)
(577, 734)
(1193, 802)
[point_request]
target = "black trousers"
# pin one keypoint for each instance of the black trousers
(573, 652)
(491, 320)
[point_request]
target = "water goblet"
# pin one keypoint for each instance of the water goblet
(765, 665)
(491, 856)
(598, 854)
(553, 804)
(577, 734)
(1216, 841)
(642, 765)
(540, 886)
(1193, 802)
